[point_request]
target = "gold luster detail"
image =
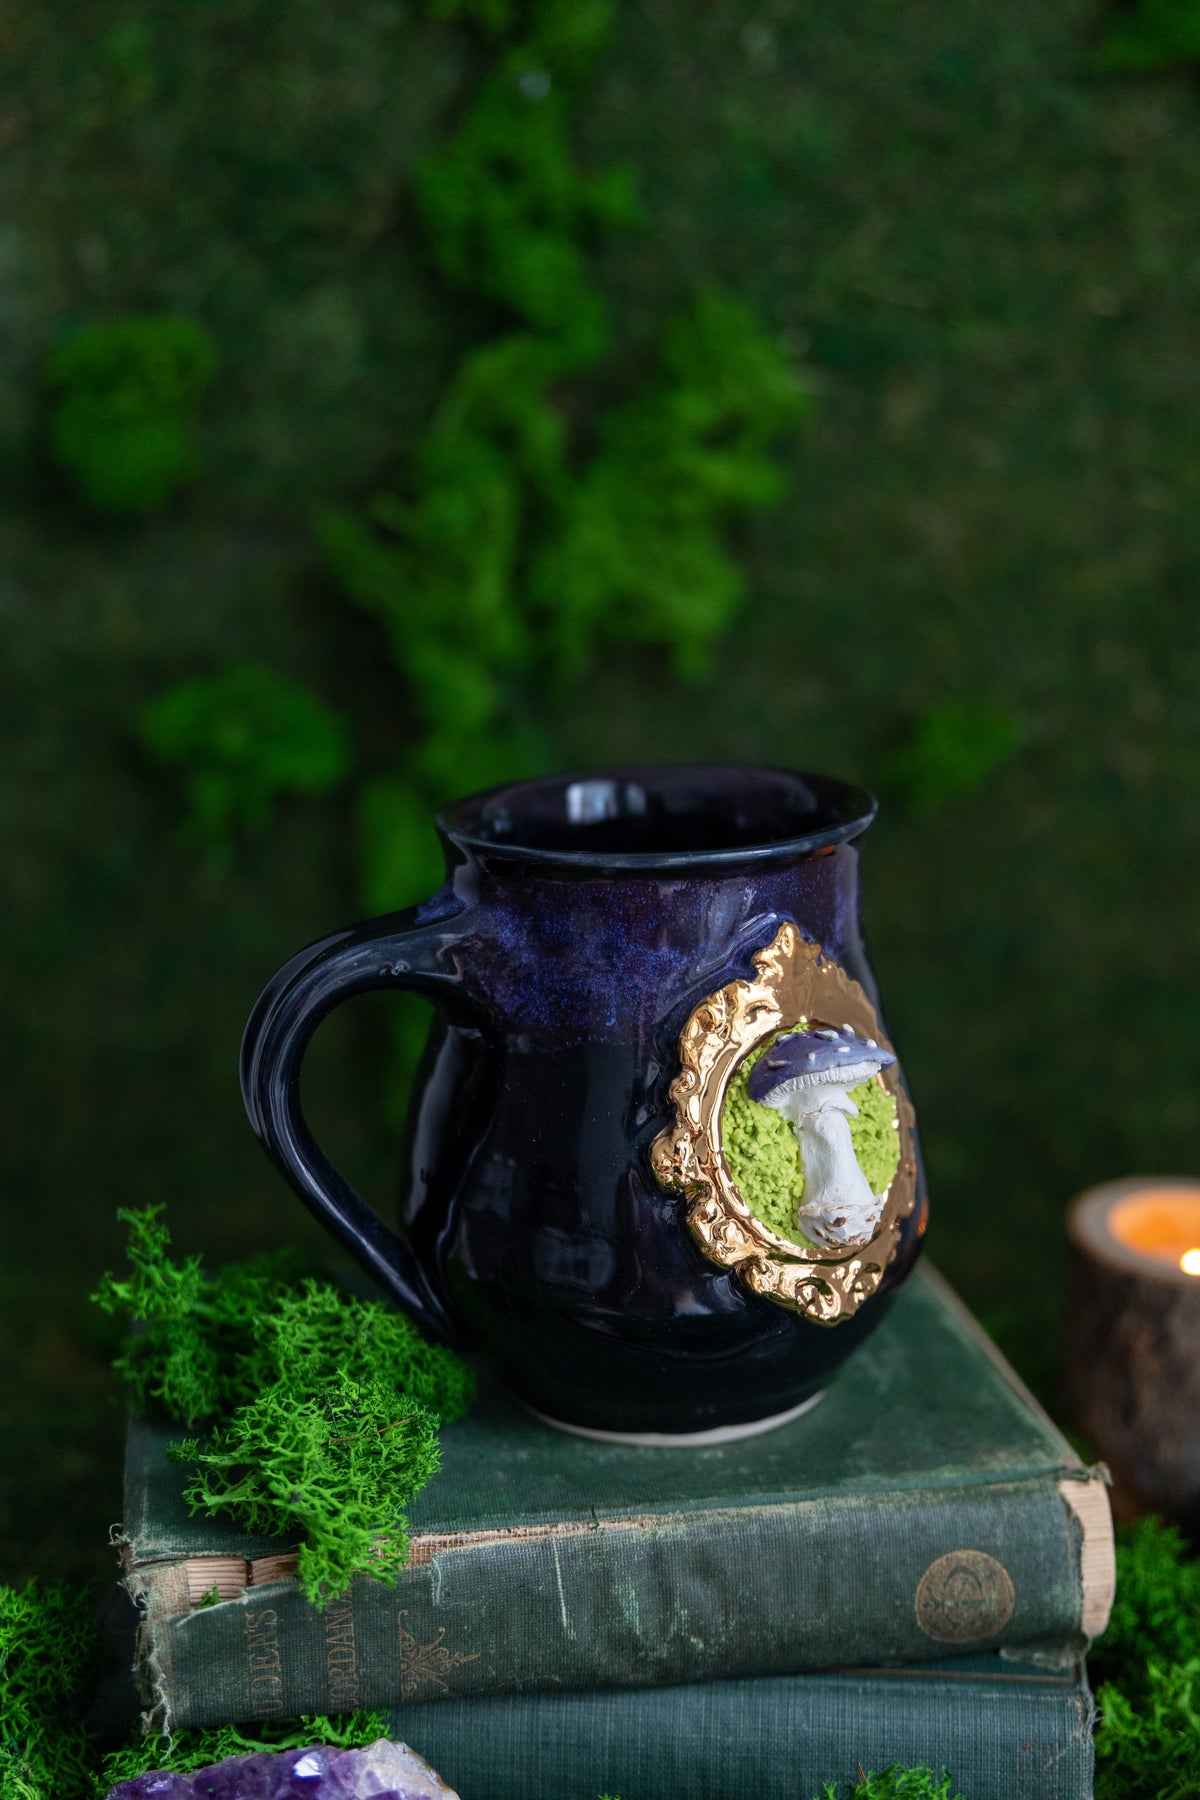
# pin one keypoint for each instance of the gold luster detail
(795, 982)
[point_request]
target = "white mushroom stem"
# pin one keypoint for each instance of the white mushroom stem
(839, 1208)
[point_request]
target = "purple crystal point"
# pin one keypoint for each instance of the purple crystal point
(383, 1771)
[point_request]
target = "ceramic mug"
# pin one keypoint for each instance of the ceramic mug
(660, 1165)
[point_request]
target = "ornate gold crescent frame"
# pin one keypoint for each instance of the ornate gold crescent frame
(796, 982)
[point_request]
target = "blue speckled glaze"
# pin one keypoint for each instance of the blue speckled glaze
(581, 921)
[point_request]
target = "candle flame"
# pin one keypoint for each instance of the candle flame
(1189, 1262)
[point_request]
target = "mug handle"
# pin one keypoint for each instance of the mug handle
(397, 951)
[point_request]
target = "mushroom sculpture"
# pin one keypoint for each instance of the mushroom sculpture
(807, 1076)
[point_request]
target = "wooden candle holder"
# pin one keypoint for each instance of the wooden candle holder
(1132, 1358)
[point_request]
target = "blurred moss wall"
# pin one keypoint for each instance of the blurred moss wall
(978, 596)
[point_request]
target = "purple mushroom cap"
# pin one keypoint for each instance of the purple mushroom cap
(812, 1058)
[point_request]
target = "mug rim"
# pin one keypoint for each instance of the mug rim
(461, 821)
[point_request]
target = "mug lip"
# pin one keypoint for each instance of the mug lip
(458, 821)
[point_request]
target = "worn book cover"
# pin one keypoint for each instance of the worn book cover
(926, 1507)
(1003, 1730)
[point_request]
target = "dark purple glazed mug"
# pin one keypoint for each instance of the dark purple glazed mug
(609, 956)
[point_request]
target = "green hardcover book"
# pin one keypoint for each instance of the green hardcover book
(925, 1507)
(1002, 1730)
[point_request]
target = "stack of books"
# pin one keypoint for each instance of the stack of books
(908, 1574)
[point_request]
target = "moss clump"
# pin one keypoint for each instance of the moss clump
(209, 1344)
(955, 748)
(875, 1135)
(199, 1747)
(1148, 1747)
(322, 1409)
(240, 739)
(123, 430)
(1146, 1669)
(50, 1659)
(895, 1783)
(764, 1157)
(48, 1656)
(1156, 1612)
(332, 1462)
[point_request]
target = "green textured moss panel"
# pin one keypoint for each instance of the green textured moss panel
(764, 1156)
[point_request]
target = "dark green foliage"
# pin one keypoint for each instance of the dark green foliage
(955, 747)
(505, 568)
(123, 428)
(506, 208)
(400, 858)
(333, 1462)
(48, 1654)
(197, 1747)
(895, 1784)
(1149, 1749)
(323, 1408)
(49, 1659)
(1156, 1614)
(313, 1327)
(242, 738)
(509, 556)
(438, 566)
(205, 1345)
(638, 553)
(507, 565)
(1147, 1671)
(1151, 35)
(189, 1353)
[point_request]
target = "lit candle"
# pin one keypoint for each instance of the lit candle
(1133, 1338)
(1159, 1219)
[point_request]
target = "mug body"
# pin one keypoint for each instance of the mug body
(625, 941)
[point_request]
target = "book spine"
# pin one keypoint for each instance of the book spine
(775, 1740)
(755, 1591)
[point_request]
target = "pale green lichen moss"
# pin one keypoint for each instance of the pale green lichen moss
(764, 1158)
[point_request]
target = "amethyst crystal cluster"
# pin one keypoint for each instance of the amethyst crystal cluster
(383, 1771)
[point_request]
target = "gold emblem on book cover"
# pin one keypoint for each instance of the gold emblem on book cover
(965, 1597)
(796, 987)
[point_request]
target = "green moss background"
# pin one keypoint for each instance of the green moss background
(975, 591)
(764, 1156)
